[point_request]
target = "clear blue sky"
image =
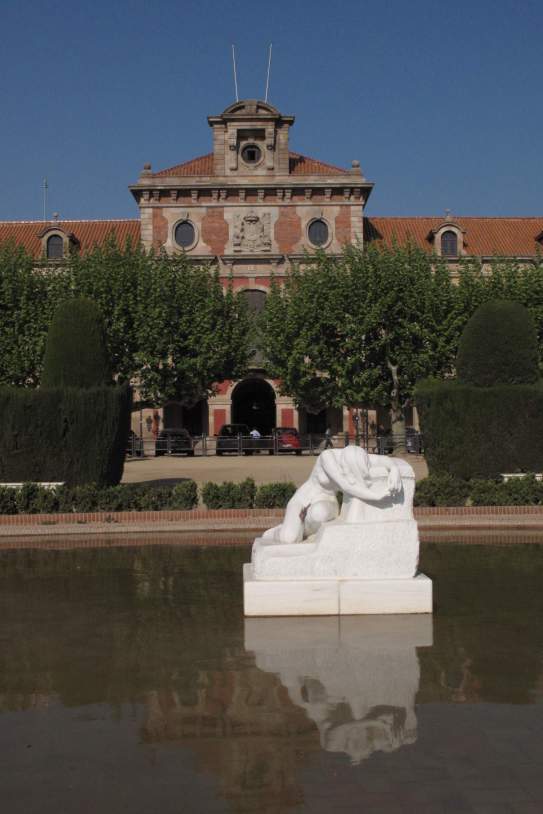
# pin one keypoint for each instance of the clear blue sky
(440, 102)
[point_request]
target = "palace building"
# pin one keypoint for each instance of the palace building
(254, 207)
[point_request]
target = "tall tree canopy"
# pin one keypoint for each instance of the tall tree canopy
(363, 329)
(168, 324)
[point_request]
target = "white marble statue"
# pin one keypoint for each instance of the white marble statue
(362, 558)
(352, 471)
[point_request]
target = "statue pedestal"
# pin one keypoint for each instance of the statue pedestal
(334, 597)
(347, 568)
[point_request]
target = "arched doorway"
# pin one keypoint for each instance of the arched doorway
(253, 403)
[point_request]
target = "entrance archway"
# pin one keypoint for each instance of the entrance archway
(253, 403)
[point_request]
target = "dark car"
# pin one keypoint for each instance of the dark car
(174, 442)
(228, 439)
(413, 442)
(134, 446)
(287, 439)
(413, 439)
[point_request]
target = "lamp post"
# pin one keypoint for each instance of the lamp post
(356, 420)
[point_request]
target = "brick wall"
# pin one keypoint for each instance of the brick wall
(343, 225)
(288, 230)
(160, 229)
(215, 230)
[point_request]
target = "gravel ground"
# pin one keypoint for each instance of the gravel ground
(263, 468)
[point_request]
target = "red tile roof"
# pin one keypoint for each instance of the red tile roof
(299, 165)
(203, 165)
(303, 165)
(88, 233)
(483, 237)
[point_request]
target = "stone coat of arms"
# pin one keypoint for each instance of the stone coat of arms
(252, 232)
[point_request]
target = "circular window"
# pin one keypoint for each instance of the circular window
(318, 232)
(251, 154)
(184, 234)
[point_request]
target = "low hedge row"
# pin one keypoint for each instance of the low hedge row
(32, 498)
(446, 490)
(435, 490)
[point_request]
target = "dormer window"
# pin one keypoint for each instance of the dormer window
(449, 244)
(55, 248)
(56, 243)
(448, 239)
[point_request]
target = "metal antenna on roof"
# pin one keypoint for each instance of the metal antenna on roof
(235, 74)
(268, 75)
(45, 188)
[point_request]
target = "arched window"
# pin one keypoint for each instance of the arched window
(255, 299)
(318, 232)
(449, 244)
(185, 234)
(55, 247)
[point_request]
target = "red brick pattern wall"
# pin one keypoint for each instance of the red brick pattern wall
(215, 230)
(219, 419)
(288, 230)
(287, 417)
(343, 225)
(160, 229)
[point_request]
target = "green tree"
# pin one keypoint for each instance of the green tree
(168, 324)
(362, 329)
(189, 332)
(109, 275)
(28, 298)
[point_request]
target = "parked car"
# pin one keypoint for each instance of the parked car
(174, 442)
(228, 439)
(287, 439)
(413, 442)
(134, 446)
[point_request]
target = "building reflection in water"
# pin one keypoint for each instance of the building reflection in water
(355, 677)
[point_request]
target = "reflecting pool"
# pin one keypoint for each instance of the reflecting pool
(130, 681)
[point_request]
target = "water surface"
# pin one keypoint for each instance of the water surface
(129, 681)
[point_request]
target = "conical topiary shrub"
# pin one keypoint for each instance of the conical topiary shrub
(75, 427)
(498, 346)
(488, 421)
(75, 353)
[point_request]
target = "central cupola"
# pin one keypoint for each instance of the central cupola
(250, 138)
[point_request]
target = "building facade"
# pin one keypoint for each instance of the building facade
(254, 207)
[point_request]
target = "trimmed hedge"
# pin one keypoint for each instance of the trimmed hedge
(476, 432)
(229, 495)
(32, 498)
(444, 490)
(72, 435)
(274, 495)
(441, 490)
(498, 346)
(75, 353)
(436, 490)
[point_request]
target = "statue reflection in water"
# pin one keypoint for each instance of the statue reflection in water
(355, 677)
